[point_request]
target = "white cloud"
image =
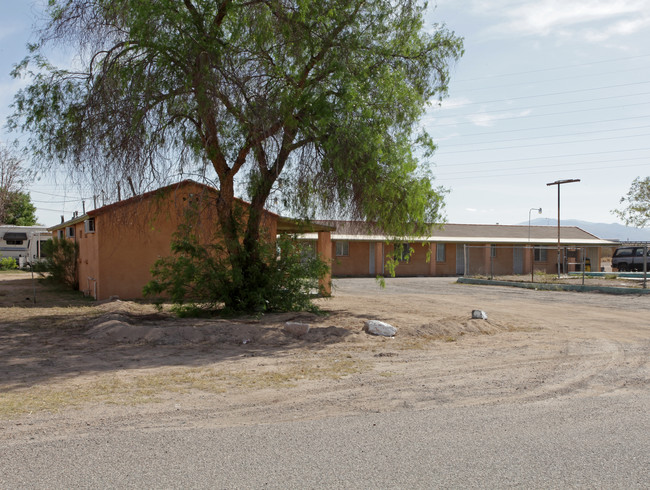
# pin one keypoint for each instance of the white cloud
(622, 28)
(574, 18)
(486, 120)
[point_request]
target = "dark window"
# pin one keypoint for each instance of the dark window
(89, 225)
(541, 254)
(403, 252)
(14, 242)
(623, 252)
(440, 252)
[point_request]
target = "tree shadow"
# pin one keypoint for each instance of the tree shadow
(39, 348)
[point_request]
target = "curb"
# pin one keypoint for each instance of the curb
(554, 287)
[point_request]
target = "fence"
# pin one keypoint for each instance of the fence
(541, 264)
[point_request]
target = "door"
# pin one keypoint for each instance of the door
(460, 259)
(371, 260)
(518, 260)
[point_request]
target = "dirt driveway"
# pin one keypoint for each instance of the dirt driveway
(67, 364)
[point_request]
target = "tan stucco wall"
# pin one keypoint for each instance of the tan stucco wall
(131, 238)
(357, 263)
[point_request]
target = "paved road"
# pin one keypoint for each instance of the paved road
(598, 442)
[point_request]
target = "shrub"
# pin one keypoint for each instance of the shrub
(200, 277)
(62, 258)
(8, 263)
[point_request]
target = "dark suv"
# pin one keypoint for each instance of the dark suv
(630, 259)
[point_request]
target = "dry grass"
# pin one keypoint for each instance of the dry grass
(150, 387)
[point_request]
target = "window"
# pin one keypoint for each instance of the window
(89, 225)
(403, 251)
(69, 231)
(39, 248)
(440, 252)
(12, 238)
(342, 249)
(540, 254)
(60, 234)
(493, 251)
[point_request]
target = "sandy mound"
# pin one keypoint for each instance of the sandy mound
(129, 322)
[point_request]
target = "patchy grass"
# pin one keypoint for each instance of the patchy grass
(150, 387)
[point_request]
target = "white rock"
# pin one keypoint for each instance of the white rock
(479, 315)
(375, 327)
(296, 329)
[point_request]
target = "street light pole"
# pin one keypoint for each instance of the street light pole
(558, 183)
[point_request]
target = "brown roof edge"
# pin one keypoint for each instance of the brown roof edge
(70, 222)
(291, 225)
(146, 195)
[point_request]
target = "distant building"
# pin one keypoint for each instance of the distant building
(359, 249)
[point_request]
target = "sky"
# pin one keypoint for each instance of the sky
(547, 90)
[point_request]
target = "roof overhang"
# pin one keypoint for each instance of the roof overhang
(290, 225)
(465, 240)
(14, 236)
(71, 222)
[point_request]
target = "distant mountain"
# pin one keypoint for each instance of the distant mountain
(606, 231)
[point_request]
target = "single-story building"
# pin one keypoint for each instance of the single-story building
(120, 242)
(358, 249)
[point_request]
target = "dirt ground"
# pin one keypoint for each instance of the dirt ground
(71, 364)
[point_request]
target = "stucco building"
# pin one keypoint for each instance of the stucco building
(120, 242)
(462, 249)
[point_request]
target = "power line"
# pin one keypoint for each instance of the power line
(609, 130)
(546, 157)
(554, 126)
(488, 176)
(559, 93)
(561, 67)
(549, 80)
(474, 114)
(554, 143)
(564, 165)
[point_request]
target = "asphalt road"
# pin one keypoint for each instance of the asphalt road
(596, 442)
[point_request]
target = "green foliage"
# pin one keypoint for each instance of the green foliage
(62, 262)
(316, 101)
(199, 277)
(637, 211)
(8, 263)
(19, 210)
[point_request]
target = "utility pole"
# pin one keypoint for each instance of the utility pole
(558, 183)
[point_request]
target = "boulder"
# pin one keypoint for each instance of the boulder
(479, 315)
(375, 327)
(296, 329)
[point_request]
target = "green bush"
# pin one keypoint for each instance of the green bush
(199, 277)
(8, 263)
(62, 262)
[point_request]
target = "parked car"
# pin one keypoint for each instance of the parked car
(630, 258)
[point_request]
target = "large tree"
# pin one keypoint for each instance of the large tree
(637, 204)
(19, 210)
(315, 100)
(12, 181)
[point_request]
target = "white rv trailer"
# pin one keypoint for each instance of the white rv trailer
(23, 243)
